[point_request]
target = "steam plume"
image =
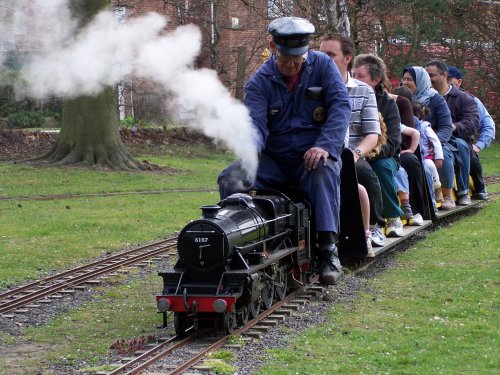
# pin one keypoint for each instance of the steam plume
(105, 52)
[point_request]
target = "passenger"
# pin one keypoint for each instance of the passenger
(418, 81)
(465, 117)
(407, 93)
(300, 108)
(406, 181)
(409, 160)
(403, 189)
(371, 70)
(431, 149)
(486, 135)
(403, 100)
(364, 128)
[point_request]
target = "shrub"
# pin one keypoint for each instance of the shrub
(26, 119)
(127, 122)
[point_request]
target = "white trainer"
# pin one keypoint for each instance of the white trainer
(394, 227)
(416, 220)
(378, 238)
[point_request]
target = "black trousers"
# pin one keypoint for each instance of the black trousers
(416, 177)
(476, 172)
(368, 178)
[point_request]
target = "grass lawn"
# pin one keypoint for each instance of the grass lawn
(435, 312)
(428, 296)
(38, 236)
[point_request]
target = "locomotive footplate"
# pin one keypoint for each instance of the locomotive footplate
(270, 259)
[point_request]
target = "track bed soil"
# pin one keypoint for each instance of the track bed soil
(18, 145)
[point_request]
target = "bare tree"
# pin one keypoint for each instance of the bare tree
(463, 33)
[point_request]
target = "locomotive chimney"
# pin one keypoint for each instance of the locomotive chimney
(210, 212)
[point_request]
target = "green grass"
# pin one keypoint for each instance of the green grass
(490, 159)
(435, 312)
(424, 298)
(190, 169)
(38, 236)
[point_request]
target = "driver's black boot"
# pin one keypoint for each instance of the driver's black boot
(331, 270)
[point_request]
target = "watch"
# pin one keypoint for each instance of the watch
(358, 152)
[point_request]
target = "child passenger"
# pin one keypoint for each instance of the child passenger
(431, 148)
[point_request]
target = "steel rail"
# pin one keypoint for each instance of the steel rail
(90, 271)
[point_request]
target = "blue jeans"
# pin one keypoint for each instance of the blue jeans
(456, 160)
(402, 183)
(430, 184)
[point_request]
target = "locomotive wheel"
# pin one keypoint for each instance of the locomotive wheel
(254, 308)
(267, 294)
(281, 284)
(229, 322)
(180, 323)
(225, 322)
(242, 315)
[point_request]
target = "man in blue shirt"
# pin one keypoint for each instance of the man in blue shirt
(486, 130)
(300, 109)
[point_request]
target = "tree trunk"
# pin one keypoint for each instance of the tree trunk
(337, 17)
(89, 131)
(90, 136)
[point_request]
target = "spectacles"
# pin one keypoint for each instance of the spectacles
(407, 79)
(286, 59)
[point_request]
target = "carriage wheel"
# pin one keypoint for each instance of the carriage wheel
(267, 294)
(281, 283)
(180, 323)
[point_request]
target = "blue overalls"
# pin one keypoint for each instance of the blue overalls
(315, 114)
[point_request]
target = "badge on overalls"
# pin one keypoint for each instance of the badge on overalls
(319, 114)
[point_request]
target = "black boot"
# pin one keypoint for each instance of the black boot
(331, 270)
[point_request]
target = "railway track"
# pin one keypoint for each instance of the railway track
(21, 299)
(168, 350)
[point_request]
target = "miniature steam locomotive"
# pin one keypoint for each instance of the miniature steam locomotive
(236, 259)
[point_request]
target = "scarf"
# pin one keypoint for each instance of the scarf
(424, 91)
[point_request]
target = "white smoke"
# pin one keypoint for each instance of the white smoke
(106, 52)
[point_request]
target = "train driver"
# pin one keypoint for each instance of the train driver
(301, 110)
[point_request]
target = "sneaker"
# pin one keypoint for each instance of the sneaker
(463, 200)
(369, 246)
(416, 220)
(378, 238)
(439, 195)
(394, 228)
(407, 212)
(448, 203)
(482, 196)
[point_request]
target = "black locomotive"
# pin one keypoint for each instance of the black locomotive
(236, 259)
